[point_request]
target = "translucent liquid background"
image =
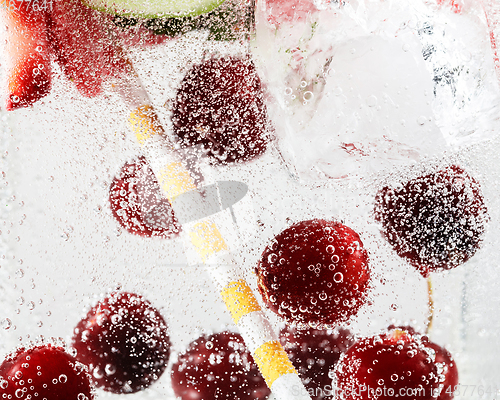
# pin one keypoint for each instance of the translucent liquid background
(61, 250)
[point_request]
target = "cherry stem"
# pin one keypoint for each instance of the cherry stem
(430, 304)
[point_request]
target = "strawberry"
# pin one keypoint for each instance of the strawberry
(124, 341)
(83, 46)
(44, 372)
(138, 204)
(28, 69)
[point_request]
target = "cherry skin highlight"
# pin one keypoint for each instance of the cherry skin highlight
(436, 221)
(138, 204)
(395, 363)
(314, 353)
(44, 372)
(314, 272)
(218, 367)
(124, 341)
(219, 111)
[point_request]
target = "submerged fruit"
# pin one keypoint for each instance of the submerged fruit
(82, 43)
(155, 8)
(218, 367)
(124, 341)
(44, 372)
(316, 272)
(394, 364)
(314, 353)
(219, 111)
(435, 221)
(138, 204)
(28, 57)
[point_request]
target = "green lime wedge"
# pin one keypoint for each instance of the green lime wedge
(154, 8)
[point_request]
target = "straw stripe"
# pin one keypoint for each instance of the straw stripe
(206, 239)
(273, 362)
(174, 179)
(145, 123)
(239, 299)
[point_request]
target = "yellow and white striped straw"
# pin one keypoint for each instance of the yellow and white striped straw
(208, 243)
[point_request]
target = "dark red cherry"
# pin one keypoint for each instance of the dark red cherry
(445, 361)
(315, 272)
(44, 372)
(138, 204)
(393, 364)
(449, 370)
(124, 341)
(219, 111)
(218, 367)
(435, 221)
(314, 353)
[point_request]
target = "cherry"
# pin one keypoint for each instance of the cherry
(314, 353)
(44, 372)
(450, 371)
(124, 341)
(218, 367)
(219, 108)
(138, 204)
(314, 272)
(397, 363)
(435, 221)
(443, 357)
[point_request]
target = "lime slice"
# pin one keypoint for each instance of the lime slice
(154, 8)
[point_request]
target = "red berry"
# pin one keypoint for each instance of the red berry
(435, 221)
(138, 204)
(27, 50)
(443, 359)
(449, 370)
(314, 272)
(219, 111)
(83, 46)
(218, 367)
(314, 353)
(125, 343)
(393, 364)
(44, 372)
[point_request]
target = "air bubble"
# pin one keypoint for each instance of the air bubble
(338, 277)
(330, 249)
(110, 369)
(6, 323)
(371, 101)
(308, 96)
(272, 258)
(422, 120)
(322, 296)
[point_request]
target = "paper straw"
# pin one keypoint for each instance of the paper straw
(205, 239)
